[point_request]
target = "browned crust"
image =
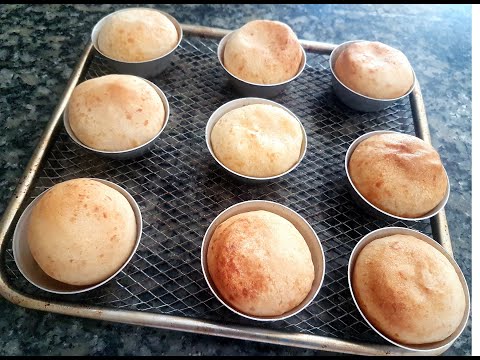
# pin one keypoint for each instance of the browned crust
(81, 231)
(115, 112)
(398, 173)
(408, 290)
(263, 52)
(374, 69)
(251, 268)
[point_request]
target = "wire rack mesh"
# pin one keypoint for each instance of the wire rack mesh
(180, 190)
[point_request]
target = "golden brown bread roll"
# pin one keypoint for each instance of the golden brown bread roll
(115, 112)
(81, 231)
(260, 263)
(408, 290)
(137, 35)
(398, 173)
(257, 140)
(375, 70)
(263, 52)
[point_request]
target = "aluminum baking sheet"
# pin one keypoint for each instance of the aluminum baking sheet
(180, 189)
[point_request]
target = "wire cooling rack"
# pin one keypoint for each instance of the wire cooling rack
(180, 189)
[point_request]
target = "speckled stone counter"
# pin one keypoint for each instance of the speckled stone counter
(41, 44)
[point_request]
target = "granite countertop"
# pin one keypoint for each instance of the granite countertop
(41, 44)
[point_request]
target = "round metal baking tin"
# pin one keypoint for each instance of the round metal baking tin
(129, 153)
(388, 231)
(32, 271)
(371, 209)
(246, 88)
(311, 238)
(354, 99)
(238, 103)
(146, 68)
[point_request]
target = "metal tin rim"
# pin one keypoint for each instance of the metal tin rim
(203, 254)
(428, 215)
(250, 101)
(177, 25)
(383, 232)
(166, 106)
(81, 289)
(357, 93)
(221, 47)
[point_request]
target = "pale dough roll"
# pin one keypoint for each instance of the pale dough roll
(260, 263)
(257, 140)
(137, 35)
(408, 290)
(115, 112)
(81, 231)
(263, 52)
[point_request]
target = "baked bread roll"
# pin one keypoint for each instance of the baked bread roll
(375, 70)
(408, 290)
(263, 52)
(398, 173)
(137, 35)
(257, 140)
(81, 231)
(260, 263)
(115, 112)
